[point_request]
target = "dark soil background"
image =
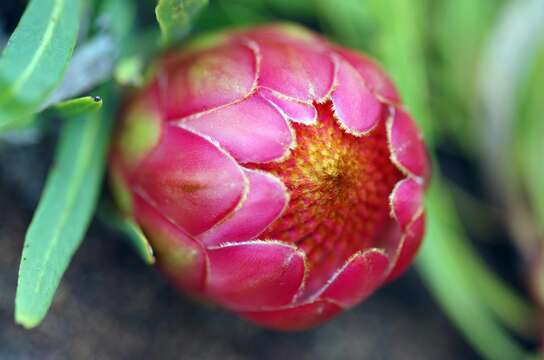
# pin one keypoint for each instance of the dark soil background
(110, 305)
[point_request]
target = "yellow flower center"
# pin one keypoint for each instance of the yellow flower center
(339, 186)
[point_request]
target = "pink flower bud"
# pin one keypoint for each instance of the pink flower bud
(274, 173)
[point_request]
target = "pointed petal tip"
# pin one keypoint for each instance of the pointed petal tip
(355, 107)
(292, 109)
(408, 151)
(252, 130)
(192, 82)
(406, 201)
(191, 179)
(254, 274)
(267, 199)
(373, 74)
(296, 70)
(362, 274)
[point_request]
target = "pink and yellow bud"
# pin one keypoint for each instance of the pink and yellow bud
(274, 173)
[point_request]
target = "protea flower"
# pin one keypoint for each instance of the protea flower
(275, 174)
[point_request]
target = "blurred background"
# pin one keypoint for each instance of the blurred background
(471, 73)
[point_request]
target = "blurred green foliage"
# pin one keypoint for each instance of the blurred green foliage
(529, 136)
(458, 35)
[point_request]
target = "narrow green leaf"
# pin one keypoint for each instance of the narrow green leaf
(78, 107)
(174, 17)
(63, 214)
(448, 270)
(110, 216)
(36, 57)
(502, 300)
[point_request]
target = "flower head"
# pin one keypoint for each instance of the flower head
(274, 173)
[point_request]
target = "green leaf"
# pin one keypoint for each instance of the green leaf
(453, 274)
(63, 214)
(111, 216)
(36, 57)
(174, 17)
(502, 300)
(78, 107)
